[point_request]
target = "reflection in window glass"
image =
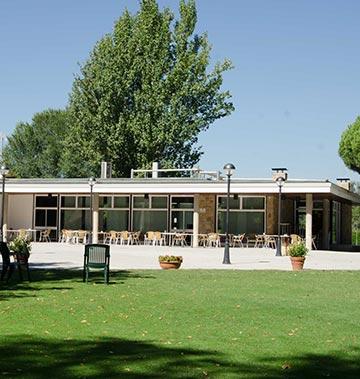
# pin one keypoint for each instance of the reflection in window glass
(51, 217)
(234, 203)
(253, 203)
(182, 202)
(75, 219)
(113, 220)
(182, 220)
(141, 202)
(40, 215)
(84, 202)
(121, 202)
(104, 201)
(159, 202)
(150, 220)
(242, 222)
(49, 201)
(68, 201)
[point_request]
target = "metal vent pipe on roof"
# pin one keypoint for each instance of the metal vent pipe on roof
(106, 170)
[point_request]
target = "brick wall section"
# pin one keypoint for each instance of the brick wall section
(287, 213)
(271, 214)
(207, 206)
(346, 227)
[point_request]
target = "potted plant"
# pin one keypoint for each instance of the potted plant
(21, 247)
(297, 252)
(170, 261)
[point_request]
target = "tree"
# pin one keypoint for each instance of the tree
(349, 149)
(34, 149)
(145, 94)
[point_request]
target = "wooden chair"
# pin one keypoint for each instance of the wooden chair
(97, 256)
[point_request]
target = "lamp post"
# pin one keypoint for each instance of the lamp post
(279, 176)
(91, 182)
(228, 169)
(3, 172)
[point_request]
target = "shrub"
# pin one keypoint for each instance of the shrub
(170, 258)
(20, 245)
(298, 250)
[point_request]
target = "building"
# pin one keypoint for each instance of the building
(196, 204)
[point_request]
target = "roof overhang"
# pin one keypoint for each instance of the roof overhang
(178, 186)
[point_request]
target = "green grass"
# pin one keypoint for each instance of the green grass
(182, 324)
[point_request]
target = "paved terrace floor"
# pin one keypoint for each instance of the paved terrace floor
(61, 255)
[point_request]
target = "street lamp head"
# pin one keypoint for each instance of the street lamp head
(280, 181)
(229, 168)
(92, 181)
(4, 171)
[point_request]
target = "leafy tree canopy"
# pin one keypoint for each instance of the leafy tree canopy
(144, 95)
(34, 149)
(349, 149)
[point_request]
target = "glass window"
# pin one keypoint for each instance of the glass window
(242, 222)
(159, 202)
(105, 202)
(68, 201)
(113, 220)
(150, 220)
(51, 217)
(75, 219)
(48, 201)
(40, 216)
(253, 203)
(182, 202)
(121, 202)
(84, 202)
(141, 202)
(182, 220)
(234, 202)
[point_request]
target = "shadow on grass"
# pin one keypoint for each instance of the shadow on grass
(26, 357)
(59, 279)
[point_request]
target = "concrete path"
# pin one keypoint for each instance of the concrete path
(61, 255)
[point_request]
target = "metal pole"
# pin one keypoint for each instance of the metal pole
(2, 208)
(91, 214)
(227, 249)
(278, 245)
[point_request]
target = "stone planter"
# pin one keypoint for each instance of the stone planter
(297, 263)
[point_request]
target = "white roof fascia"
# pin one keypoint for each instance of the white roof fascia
(165, 187)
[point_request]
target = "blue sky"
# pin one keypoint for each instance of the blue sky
(295, 82)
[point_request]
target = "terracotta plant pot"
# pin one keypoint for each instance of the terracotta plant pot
(170, 265)
(297, 263)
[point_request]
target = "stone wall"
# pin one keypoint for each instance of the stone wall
(207, 208)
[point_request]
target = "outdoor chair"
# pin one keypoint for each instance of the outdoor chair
(158, 239)
(112, 237)
(295, 239)
(45, 235)
(97, 257)
(203, 240)
(80, 236)
(148, 238)
(125, 237)
(7, 265)
(238, 240)
(259, 240)
(214, 239)
(179, 239)
(135, 238)
(269, 241)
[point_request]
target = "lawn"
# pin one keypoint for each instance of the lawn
(182, 324)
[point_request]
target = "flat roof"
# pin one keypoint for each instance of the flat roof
(178, 186)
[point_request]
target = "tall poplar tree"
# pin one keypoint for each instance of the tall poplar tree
(145, 94)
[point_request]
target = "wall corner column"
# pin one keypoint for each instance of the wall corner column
(95, 217)
(308, 220)
(196, 221)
